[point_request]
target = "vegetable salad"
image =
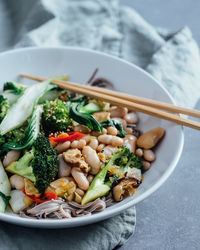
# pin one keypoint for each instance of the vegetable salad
(66, 155)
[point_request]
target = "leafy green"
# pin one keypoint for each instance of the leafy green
(90, 108)
(83, 118)
(5, 198)
(19, 112)
(14, 87)
(117, 125)
(26, 139)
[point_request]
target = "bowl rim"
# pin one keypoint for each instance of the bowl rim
(75, 222)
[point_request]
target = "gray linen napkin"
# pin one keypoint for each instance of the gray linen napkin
(101, 25)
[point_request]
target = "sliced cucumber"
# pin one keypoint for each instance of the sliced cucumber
(5, 187)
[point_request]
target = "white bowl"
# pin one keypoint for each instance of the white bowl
(79, 64)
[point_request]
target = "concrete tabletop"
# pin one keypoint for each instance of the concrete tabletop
(170, 218)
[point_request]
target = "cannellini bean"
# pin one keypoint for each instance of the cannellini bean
(112, 131)
(11, 156)
(61, 147)
(80, 178)
(86, 138)
(90, 178)
(64, 168)
(17, 182)
(120, 120)
(131, 118)
(129, 131)
(149, 139)
(78, 144)
(93, 143)
(80, 191)
(100, 147)
(149, 155)
(146, 165)
(130, 142)
(110, 139)
(139, 152)
(92, 159)
(118, 111)
(109, 150)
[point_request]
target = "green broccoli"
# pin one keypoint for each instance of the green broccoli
(4, 106)
(127, 159)
(55, 117)
(40, 164)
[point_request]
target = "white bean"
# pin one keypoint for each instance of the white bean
(139, 152)
(110, 139)
(118, 111)
(130, 142)
(92, 159)
(17, 182)
(86, 138)
(80, 191)
(100, 147)
(146, 165)
(112, 131)
(90, 178)
(149, 155)
(80, 178)
(11, 156)
(93, 143)
(64, 168)
(131, 118)
(109, 150)
(78, 144)
(61, 147)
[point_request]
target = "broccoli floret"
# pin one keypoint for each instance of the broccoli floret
(39, 165)
(127, 159)
(13, 87)
(4, 106)
(55, 117)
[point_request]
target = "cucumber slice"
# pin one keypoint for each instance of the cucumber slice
(5, 187)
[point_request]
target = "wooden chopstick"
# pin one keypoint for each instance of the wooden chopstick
(132, 98)
(92, 92)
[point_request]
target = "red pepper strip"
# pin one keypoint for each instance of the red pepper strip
(46, 197)
(70, 136)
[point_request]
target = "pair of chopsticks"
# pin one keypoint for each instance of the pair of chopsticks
(139, 104)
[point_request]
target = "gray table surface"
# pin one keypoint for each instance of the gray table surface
(170, 218)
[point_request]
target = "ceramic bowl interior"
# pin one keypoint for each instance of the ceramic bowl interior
(80, 64)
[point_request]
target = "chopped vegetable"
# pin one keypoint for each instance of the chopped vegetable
(24, 106)
(83, 118)
(55, 117)
(5, 189)
(39, 165)
(117, 125)
(46, 197)
(13, 87)
(90, 108)
(69, 136)
(30, 133)
(17, 201)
